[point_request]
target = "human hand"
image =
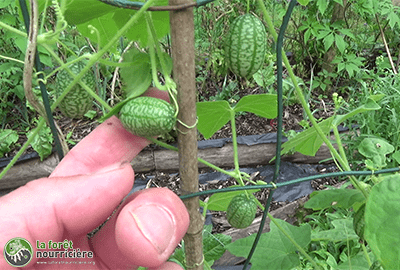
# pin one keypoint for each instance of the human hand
(83, 190)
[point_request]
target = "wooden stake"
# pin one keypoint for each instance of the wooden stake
(182, 38)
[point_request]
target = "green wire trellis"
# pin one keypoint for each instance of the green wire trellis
(137, 5)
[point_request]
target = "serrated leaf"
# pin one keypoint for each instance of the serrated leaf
(322, 5)
(214, 245)
(7, 138)
(264, 105)
(274, 248)
(382, 221)
(308, 142)
(344, 198)
(340, 43)
(42, 143)
(328, 41)
(212, 116)
(342, 231)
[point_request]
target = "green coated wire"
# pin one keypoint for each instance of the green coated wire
(279, 131)
(136, 5)
(291, 182)
(45, 97)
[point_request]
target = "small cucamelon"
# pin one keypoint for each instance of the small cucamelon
(147, 116)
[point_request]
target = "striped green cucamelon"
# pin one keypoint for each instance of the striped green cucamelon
(241, 211)
(147, 116)
(78, 101)
(245, 45)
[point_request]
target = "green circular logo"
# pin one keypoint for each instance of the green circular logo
(18, 252)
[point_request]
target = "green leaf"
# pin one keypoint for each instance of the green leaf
(370, 105)
(382, 221)
(81, 11)
(303, 2)
(274, 248)
(308, 142)
(340, 43)
(138, 31)
(7, 138)
(212, 115)
(42, 143)
(358, 262)
(214, 245)
(322, 5)
(4, 3)
(344, 198)
(343, 231)
(328, 41)
(375, 149)
(396, 156)
(264, 105)
(220, 201)
(105, 26)
(137, 77)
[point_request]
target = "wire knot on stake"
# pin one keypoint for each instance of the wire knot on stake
(194, 265)
(274, 186)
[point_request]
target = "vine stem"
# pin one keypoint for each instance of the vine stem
(235, 150)
(304, 103)
(170, 147)
(92, 61)
(95, 57)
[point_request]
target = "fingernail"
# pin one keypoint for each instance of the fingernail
(156, 224)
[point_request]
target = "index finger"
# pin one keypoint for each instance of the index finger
(105, 146)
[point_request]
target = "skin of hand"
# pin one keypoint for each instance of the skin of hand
(82, 192)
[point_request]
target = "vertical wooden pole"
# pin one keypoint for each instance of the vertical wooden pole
(182, 39)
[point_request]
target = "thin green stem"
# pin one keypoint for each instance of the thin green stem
(91, 62)
(304, 103)
(235, 149)
(339, 143)
(365, 251)
(76, 79)
(170, 147)
(12, 59)
(12, 29)
(24, 147)
(158, 50)
(299, 248)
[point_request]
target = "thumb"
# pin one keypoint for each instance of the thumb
(53, 208)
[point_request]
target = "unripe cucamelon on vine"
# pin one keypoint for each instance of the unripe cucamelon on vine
(245, 45)
(241, 211)
(78, 101)
(147, 116)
